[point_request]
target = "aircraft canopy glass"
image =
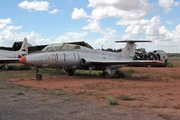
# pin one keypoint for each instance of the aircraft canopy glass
(60, 47)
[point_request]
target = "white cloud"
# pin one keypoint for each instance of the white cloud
(71, 37)
(160, 35)
(7, 31)
(152, 29)
(133, 22)
(169, 22)
(119, 8)
(36, 39)
(133, 31)
(9, 34)
(95, 3)
(93, 25)
(133, 13)
(78, 14)
(34, 5)
(167, 4)
(134, 17)
(54, 11)
(119, 4)
(138, 28)
(109, 36)
(5, 21)
(104, 12)
(176, 3)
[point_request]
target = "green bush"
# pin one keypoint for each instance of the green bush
(112, 100)
(19, 93)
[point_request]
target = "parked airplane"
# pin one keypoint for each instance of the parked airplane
(7, 56)
(72, 56)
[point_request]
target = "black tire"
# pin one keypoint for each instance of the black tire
(38, 77)
(152, 56)
(107, 75)
(70, 72)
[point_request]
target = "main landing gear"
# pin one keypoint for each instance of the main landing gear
(105, 74)
(38, 76)
(70, 72)
(117, 74)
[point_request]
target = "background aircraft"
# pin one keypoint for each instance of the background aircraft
(72, 56)
(7, 56)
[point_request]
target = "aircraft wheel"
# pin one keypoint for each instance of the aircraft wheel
(38, 77)
(103, 74)
(107, 75)
(70, 72)
(120, 74)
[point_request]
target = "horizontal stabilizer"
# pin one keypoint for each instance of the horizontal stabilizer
(132, 41)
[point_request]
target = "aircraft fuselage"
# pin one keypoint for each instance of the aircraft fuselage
(72, 59)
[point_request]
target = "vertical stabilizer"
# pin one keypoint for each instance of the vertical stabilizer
(24, 46)
(129, 50)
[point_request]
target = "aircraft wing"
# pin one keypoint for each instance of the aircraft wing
(121, 62)
(8, 60)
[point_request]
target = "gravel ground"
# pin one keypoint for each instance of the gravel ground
(27, 103)
(83, 97)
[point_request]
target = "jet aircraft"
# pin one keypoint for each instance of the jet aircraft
(72, 56)
(7, 56)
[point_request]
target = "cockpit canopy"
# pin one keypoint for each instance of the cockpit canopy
(60, 47)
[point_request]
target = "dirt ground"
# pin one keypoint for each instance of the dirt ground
(157, 92)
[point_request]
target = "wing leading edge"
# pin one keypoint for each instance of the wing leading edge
(121, 62)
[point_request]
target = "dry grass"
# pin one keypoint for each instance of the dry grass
(173, 62)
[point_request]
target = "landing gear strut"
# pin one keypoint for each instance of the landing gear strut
(4, 66)
(38, 76)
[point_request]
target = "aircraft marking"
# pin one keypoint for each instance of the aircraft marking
(57, 56)
(53, 57)
(128, 48)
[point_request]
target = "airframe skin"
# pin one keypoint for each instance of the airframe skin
(71, 57)
(7, 56)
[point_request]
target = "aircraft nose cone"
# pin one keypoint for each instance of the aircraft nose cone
(23, 60)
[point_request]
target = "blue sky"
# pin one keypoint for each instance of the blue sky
(98, 22)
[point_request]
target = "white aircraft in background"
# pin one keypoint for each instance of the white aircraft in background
(7, 56)
(71, 57)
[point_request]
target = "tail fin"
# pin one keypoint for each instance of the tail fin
(24, 46)
(129, 49)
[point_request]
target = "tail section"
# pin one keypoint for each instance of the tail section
(129, 49)
(24, 46)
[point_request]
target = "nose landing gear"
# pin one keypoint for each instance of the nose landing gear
(38, 76)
